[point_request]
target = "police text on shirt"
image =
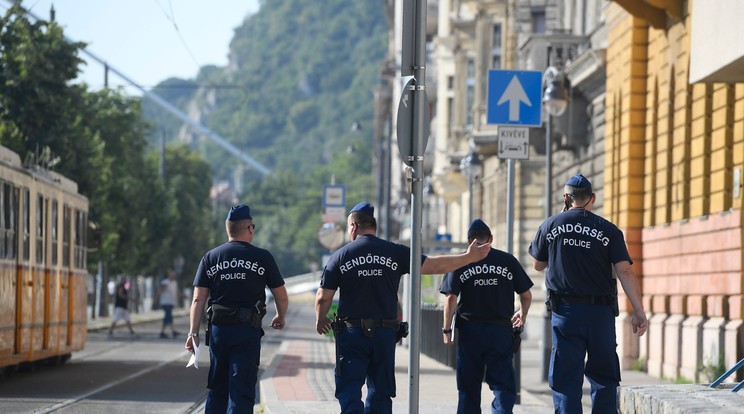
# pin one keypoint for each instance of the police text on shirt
(485, 269)
(577, 229)
(235, 264)
(369, 259)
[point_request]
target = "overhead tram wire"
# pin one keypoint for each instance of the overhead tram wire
(175, 111)
(172, 18)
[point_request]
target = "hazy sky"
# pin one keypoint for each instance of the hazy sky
(147, 40)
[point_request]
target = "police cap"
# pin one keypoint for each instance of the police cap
(478, 229)
(364, 208)
(578, 182)
(239, 212)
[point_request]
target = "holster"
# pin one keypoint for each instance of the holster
(221, 314)
(257, 313)
(615, 306)
(552, 302)
(402, 331)
(208, 332)
(368, 326)
(336, 326)
(517, 335)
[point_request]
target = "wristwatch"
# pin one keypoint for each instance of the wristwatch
(446, 330)
(193, 334)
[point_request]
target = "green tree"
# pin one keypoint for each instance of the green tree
(188, 179)
(100, 138)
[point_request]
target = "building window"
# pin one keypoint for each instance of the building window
(450, 115)
(538, 20)
(469, 93)
(496, 49)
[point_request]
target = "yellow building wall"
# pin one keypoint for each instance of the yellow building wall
(672, 152)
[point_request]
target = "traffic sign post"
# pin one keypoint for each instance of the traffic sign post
(412, 127)
(514, 102)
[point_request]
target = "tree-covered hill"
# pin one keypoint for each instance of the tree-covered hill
(301, 73)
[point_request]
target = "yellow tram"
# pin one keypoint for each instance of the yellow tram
(43, 276)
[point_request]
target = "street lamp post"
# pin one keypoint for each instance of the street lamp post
(472, 167)
(555, 100)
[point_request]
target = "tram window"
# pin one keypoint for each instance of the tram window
(84, 247)
(40, 216)
(26, 224)
(10, 203)
(80, 233)
(66, 236)
(2, 219)
(55, 232)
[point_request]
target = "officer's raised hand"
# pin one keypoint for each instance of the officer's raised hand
(478, 251)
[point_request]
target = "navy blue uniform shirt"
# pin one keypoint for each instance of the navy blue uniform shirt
(236, 274)
(580, 248)
(486, 288)
(368, 272)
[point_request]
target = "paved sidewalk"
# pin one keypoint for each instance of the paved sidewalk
(300, 377)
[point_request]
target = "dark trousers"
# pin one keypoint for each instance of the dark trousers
(484, 348)
(363, 359)
(584, 331)
(234, 355)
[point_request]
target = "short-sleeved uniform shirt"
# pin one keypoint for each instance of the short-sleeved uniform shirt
(367, 271)
(236, 274)
(486, 288)
(580, 248)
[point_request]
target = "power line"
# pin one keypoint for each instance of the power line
(172, 18)
(171, 108)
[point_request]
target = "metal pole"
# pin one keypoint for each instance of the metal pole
(547, 329)
(517, 361)
(470, 193)
(419, 106)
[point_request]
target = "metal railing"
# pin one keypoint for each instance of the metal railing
(726, 374)
(431, 335)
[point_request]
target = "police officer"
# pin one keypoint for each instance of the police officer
(235, 274)
(580, 251)
(367, 272)
(485, 320)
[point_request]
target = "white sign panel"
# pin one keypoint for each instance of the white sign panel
(514, 143)
(334, 214)
(334, 196)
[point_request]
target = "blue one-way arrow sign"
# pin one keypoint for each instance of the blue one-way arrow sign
(514, 97)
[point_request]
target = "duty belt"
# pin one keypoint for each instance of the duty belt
(494, 321)
(584, 300)
(386, 323)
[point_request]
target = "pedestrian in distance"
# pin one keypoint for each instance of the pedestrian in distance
(168, 296)
(581, 251)
(367, 273)
(234, 277)
(121, 307)
(487, 324)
